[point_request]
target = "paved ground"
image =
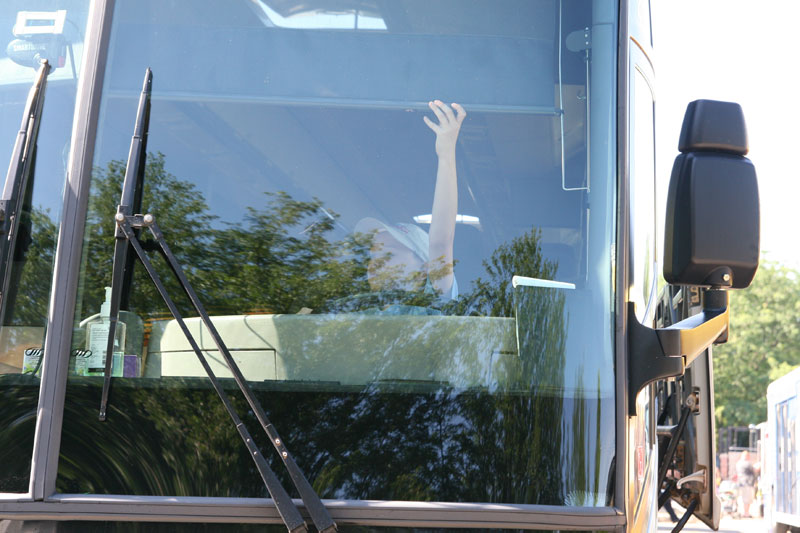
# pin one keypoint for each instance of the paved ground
(727, 524)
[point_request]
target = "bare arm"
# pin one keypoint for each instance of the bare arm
(445, 195)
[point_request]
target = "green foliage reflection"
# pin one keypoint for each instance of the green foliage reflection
(510, 438)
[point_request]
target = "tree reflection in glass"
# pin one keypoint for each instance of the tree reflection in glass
(449, 401)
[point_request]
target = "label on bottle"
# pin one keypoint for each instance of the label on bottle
(98, 342)
(92, 360)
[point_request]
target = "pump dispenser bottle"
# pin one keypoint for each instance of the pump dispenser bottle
(97, 343)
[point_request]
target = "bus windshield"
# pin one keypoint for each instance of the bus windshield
(400, 216)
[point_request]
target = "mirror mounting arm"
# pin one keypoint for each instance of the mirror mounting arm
(665, 352)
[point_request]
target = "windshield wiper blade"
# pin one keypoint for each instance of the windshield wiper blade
(131, 200)
(126, 234)
(18, 177)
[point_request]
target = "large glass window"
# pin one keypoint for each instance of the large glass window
(390, 211)
(52, 29)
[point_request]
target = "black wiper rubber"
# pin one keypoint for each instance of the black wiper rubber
(127, 226)
(20, 170)
(131, 201)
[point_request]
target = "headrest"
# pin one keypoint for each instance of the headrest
(712, 126)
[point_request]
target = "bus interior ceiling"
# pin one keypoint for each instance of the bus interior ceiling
(337, 116)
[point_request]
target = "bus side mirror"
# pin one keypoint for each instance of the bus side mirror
(712, 221)
(711, 240)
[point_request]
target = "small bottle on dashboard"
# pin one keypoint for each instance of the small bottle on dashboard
(94, 362)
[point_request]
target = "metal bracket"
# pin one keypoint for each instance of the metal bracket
(576, 41)
(665, 352)
(647, 360)
(674, 439)
(579, 40)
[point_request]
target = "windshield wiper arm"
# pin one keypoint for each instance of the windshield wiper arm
(127, 226)
(131, 200)
(15, 190)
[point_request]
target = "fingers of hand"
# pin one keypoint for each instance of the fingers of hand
(438, 112)
(447, 119)
(431, 125)
(460, 113)
(446, 109)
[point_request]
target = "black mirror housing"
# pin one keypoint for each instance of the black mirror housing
(712, 220)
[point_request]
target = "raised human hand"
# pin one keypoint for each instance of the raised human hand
(448, 127)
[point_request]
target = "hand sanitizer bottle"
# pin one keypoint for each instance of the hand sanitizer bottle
(97, 343)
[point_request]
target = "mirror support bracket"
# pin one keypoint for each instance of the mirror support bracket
(665, 352)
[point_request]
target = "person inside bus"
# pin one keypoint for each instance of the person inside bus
(404, 256)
